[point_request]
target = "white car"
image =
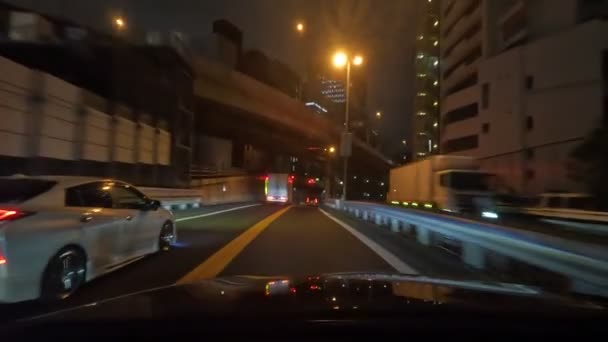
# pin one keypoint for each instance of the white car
(56, 233)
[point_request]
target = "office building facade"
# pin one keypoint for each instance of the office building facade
(522, 86)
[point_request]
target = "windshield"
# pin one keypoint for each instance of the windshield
(470, 181)
(156, 143)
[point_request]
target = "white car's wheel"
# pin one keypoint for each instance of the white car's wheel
(64, 274)
(166, 237)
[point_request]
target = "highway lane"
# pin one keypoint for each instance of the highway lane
(302, 242)
(262, 239)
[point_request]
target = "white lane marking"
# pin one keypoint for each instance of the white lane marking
(215, 212)
(387, 256)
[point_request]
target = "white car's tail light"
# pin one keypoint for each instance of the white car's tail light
(11, 215)
(2, 259)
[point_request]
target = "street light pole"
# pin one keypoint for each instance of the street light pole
(346, 127)
(341, 59)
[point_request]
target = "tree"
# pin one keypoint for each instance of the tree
(592, 156)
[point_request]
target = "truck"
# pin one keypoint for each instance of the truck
(278, 187)
(444, 182)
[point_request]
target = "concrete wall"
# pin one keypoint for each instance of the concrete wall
(217, 190)
(213, 152)
(44, 117)
(14, 109)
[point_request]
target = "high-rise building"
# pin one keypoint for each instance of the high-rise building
(333, 90)
(327, 89)
(425, 120)
(521, 85)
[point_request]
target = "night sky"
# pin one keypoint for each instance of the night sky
(382, 30)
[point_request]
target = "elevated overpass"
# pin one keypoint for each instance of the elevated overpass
(236, 105)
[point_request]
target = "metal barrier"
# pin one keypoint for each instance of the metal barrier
(174, 199)
(586, 266)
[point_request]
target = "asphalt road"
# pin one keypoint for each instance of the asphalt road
(262, 239)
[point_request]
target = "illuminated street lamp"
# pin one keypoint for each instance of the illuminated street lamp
(340, 60)
(119, 22)
(300, 27)
(378, 115)
(332, 149)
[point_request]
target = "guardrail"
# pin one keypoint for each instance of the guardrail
(584, 265)
(174, 199)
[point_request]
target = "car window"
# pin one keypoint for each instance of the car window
(554, 202)
(94, 195)
(126, 197)
(534, 201)
(20, 190)
(581, 203)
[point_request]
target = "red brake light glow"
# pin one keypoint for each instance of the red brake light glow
(8, 214)
(2, 260)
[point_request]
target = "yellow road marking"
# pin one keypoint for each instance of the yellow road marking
(211, 267)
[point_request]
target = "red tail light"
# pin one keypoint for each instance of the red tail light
(2, 260)
(10, 215)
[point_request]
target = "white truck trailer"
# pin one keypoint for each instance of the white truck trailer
(278, 188)
(449, 183)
